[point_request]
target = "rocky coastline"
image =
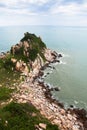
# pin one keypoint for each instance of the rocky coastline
(34, 90)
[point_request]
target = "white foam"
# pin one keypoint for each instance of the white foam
(50, 72)
(63, 54)
(76, 102)
(66, 55)
(56, 63)
(62, 62)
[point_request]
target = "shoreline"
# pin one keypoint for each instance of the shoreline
(81, 113)
(35, 91)
(30, 57)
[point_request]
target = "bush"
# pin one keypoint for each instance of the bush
(5, 93)
(19, 117)
(37, 45)
(8, 64)
(33, 54)
(1, 63)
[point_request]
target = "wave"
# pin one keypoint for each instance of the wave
(76, 102)
(63, 54)
(62, 62)
(66, 55)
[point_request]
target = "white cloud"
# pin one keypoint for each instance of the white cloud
(12, 3)
(9, 2)
(43, 12)
(69, 9)
(16, 12)
(27, 7)
(38, 2)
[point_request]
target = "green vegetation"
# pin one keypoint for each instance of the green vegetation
(6, 63)
(36, 46)
(33, 54)
(5, 93)
(1, 63)
(8, 81)
(22, 117)
(32, 38)
(9, 78)
(21, 57)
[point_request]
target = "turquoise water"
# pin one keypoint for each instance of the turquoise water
(71, 74)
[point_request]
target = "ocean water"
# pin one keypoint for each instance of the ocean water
(71, 74)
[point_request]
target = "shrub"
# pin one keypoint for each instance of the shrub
(5, 93)
(19, 117)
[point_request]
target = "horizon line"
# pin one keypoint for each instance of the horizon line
(44, 25)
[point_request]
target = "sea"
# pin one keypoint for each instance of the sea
(70, 75)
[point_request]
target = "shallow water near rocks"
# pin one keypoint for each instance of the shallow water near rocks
(71, 74)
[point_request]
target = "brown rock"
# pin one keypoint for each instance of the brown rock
(62, 111)
(26, 70)
(51, 117)
(69, 116)
(13, 60)
(18, 65)
(34, 114)
(0, 85)
(75, 127)
(56, 121)
(26, 44)
(42, 125)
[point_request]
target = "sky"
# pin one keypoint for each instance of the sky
(43, 12)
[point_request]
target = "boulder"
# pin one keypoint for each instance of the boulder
(55, 89)
(18, 65)
(69, 116)
(75, 127)
(62, 111)
(22, 67)
(26, 45)
(42, 125)
(0, 85)
(26, 69)
(60, 55)
(13, 60)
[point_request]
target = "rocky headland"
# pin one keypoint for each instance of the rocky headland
(31, 57)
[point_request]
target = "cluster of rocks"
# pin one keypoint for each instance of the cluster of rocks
(35, 93)
(21, 47)
(41, 126)
(20, 66)
(36, 65)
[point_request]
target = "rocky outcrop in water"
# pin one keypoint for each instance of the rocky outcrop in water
(31, 54)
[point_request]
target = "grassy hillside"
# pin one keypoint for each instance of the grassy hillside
(18, 116)
(22, 117)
